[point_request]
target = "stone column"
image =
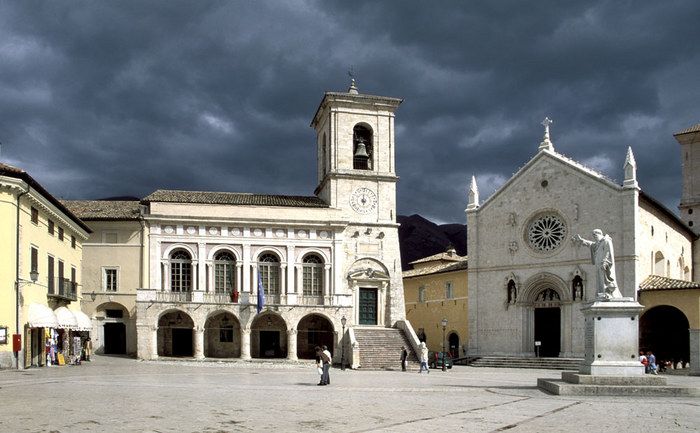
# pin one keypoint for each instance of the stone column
(198, 342)
(154, 343)
(695, 352)
(292, 345)
(245, 343)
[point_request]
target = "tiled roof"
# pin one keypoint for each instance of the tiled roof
(695, 128)
(103, 209)
(10, 169)
(441, 256)
(436, 264)
(437, 268)
(232, 198)
(657, 282)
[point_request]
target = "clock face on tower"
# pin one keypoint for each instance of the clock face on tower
(363, 200)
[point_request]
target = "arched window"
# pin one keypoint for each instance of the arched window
(224, 273)
(269, 268)
(312, 275)
(363, 148)
(659, 264)
(180, 271)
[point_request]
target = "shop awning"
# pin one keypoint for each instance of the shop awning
(41, 316)
(84, 322)
(66, 318)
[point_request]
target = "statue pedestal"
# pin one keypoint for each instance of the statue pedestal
(611, 365)
(612, 338)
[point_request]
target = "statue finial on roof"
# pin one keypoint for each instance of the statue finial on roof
(546, 142)
(352, 88)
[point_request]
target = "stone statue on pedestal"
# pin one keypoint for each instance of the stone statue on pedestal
(603, 257)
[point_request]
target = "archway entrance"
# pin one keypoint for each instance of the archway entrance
(314, 330)
(175, 334)
(664, 331)
(115, 338)
(222, 336)
(453, 344)
(269, 337)
(548, 331)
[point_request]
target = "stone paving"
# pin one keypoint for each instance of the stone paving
(113, 394)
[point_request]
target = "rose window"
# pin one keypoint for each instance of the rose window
(546, 233)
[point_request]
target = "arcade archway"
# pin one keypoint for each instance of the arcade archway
(314, 330)
(175, 334)
(664, 331)
(268, 338)
(222, 336)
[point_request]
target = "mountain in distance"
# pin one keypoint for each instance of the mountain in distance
(419, 238)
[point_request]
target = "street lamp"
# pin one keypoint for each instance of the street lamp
(444, 326)
(343, 321)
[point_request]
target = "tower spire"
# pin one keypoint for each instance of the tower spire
(473, 203)
(546, 142)
(630, 170)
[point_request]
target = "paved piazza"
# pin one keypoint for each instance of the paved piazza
(122, 394)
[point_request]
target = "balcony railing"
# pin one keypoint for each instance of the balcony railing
(64, 289)
(174, 296)
(221, 298)
(311, 300)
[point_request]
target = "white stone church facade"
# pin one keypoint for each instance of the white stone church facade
(528, 279)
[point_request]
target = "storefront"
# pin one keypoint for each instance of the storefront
(56, 337)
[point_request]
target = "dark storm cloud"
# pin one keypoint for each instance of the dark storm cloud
(103, 99)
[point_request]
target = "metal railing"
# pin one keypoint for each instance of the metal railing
(64, 288)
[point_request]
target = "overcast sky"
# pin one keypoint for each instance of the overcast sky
(114, 98)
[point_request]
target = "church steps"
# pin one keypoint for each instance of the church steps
(527, 362)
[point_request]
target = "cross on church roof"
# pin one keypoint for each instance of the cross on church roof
(546, 143)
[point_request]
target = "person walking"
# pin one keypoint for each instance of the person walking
(325, 364)
(651, 359)
(423, 357)
(404, 358)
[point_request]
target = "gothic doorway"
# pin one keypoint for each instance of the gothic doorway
(548, 331)
(664, 331)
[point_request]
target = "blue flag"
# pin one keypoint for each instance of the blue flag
(261, 293)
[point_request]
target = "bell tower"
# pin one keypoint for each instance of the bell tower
(357, 177)
(689, 140)
(355, 139)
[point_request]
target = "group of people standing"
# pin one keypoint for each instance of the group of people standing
(649, 361)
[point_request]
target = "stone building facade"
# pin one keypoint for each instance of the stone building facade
(436, 288)
(325, 263)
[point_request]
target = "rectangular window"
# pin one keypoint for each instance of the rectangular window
(109, 276)
(50, 227)
(448, 290)
(34, 266)
(421, 294)
(72, 242)
(60, 233)
(49, 274)
(35, 215)
(114, 314)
